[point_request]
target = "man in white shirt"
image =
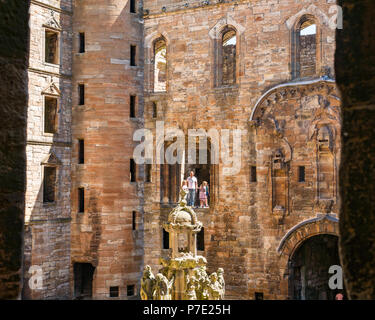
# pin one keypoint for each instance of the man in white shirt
(193, 188)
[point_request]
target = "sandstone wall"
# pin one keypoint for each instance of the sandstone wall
(240, 233)
(47, 225)
(103, 234)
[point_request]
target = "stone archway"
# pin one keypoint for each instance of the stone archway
(297, 256)
(308, 268)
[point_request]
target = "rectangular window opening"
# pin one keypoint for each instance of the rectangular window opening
(154, 110)
(81, 94)
(114, 292)
(165, 239)
(133, 51)
(148, 170)
(132, 106)
(81, 151)
(200, 240)
(81, 200)
(301, 174)
(49, 184)
(130, 290)
(50, 115)
(258, 295)
(51, 46)
(81, 42)
(132, 171)
(132, 6)
(253, 174)
(134, 220)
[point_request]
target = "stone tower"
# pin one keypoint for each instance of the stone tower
(107, 188)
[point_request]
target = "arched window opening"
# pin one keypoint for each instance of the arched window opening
(228, 55)
(306, 48)
(160, 65)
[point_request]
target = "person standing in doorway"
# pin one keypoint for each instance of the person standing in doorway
(193, 187)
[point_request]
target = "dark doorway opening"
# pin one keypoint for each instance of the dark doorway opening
(83, 276)
(309, 265)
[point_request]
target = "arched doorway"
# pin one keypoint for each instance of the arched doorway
(308, 268)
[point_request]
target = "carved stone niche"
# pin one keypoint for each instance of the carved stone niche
(324, 139)
(280, 186)
(326, 164)
(324, 206)
(278, 160)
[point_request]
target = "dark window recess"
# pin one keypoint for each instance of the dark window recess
(258, 295)
(133, 51)
(132, 106)
(253, 174)
(132, 171)
(154, 110)
(307, 49)
(148, 168)
(83, 275)
(301, 174)
(81, 200)
(160, 65)
(81, 94)
(165, 239)
(81, 42)
(134, 220)
(51, 47)
(130, 290)
(113, 292)
(50, 115)
(81, 151)
(228, 62)
(132, 6)
(200, 240)
(49, 184)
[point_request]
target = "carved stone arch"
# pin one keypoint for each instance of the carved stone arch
(289, 89)
(216, 31)
(311, 10)
(149, 42)
(296, 236)
(324, 224)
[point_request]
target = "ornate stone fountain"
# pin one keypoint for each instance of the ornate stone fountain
(183, 276)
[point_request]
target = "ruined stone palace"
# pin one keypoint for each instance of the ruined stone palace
(99, 70)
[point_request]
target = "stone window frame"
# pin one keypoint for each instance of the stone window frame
(218, 45)
(226, 29)
(50, 161)
(59, 46)
(150, 62)
(136, 55)
(294, 46)
(57, 120)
